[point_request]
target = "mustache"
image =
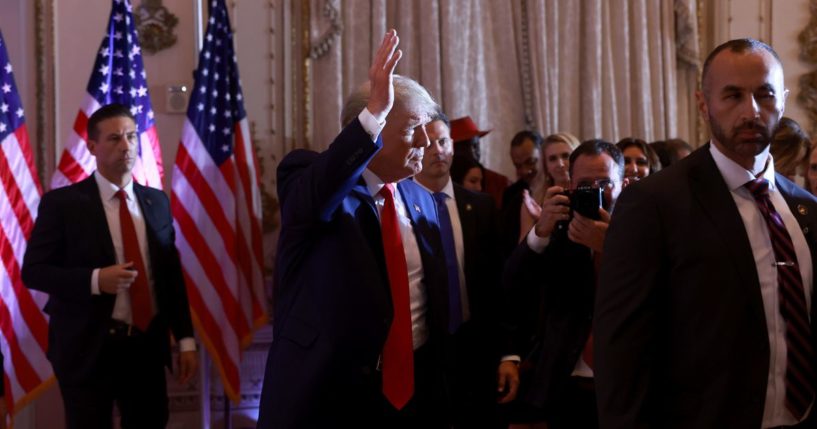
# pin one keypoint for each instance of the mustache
(753, 126)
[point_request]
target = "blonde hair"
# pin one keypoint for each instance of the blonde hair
(560, 137)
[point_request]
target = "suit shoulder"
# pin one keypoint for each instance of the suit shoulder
(411, 190)
(476, 198)
(71, 192)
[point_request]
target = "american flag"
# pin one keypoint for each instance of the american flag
(216, 203)
(23, 326)
(118, 77)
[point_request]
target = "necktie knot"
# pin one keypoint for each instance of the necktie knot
(123, 197)
(387, 191)
(758, 187)
(440, 197)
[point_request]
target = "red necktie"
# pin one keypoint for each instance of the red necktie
(398, 352)
(140, 301)
(799, 377)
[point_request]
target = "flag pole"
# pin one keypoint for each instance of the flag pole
(228, 424)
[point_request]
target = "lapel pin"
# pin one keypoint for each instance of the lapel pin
(802, 209)
(805, 230)
(468, 207)
(417, 208)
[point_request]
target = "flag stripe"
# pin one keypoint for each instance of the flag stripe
(187, 229)
(209, 302)
(217, 205)
(205, 195)
(23, 326)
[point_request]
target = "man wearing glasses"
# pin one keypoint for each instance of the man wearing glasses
(550, 280)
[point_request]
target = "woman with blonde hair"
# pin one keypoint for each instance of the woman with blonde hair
(556, 150)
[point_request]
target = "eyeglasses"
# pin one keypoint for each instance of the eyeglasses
(598, 183)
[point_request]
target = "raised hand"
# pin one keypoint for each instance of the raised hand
(381, 98)
(555, 207)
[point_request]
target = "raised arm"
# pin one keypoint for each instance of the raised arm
(312, 185)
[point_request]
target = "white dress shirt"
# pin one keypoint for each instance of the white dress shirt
(775, 412)
(456, 226)
(417, 291)
(110, 203)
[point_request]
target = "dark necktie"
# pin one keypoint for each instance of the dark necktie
(453, 268)
(398, 352)
(140, 301)
(799, 353)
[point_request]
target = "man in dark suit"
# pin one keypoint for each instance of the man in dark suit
(104, 251)
(468, 221)
(361, 294)
(550, 280)
(704, 310)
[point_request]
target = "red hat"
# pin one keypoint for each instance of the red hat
(465, 129)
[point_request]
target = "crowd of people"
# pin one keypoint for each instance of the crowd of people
(612, 285)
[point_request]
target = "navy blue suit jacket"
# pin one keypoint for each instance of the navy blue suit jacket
(333, 303)
(70, 239)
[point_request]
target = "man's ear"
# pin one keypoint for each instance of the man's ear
(703, 109)
(91, 145)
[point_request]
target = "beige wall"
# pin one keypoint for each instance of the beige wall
(777, 22)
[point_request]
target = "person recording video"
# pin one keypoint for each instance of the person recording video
(549, 284)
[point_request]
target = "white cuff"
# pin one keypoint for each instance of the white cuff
(537, 243)
(95, 282)
(370, 123)
(511, 358)
(187, 344)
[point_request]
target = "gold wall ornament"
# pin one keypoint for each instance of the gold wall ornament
(154, 24)
(807, 97)
(271, 218)
(808, 37)
(322, 46)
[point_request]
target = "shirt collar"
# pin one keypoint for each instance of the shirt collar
(373, 183)
(736, 176)
(107, 190)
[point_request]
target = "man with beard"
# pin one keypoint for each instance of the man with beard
(704, 308)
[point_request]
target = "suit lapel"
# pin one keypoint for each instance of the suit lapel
(369, 222)
(717, 203)
(96, 218)
(805, 211)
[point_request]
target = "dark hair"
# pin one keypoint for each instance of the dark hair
(523, 135)
(652, 157)
(737, 46)
(467, 147)
(667, 150)
(790, 146)
(440, 116)
(461, 165)
(595, 147)
(107, 112)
